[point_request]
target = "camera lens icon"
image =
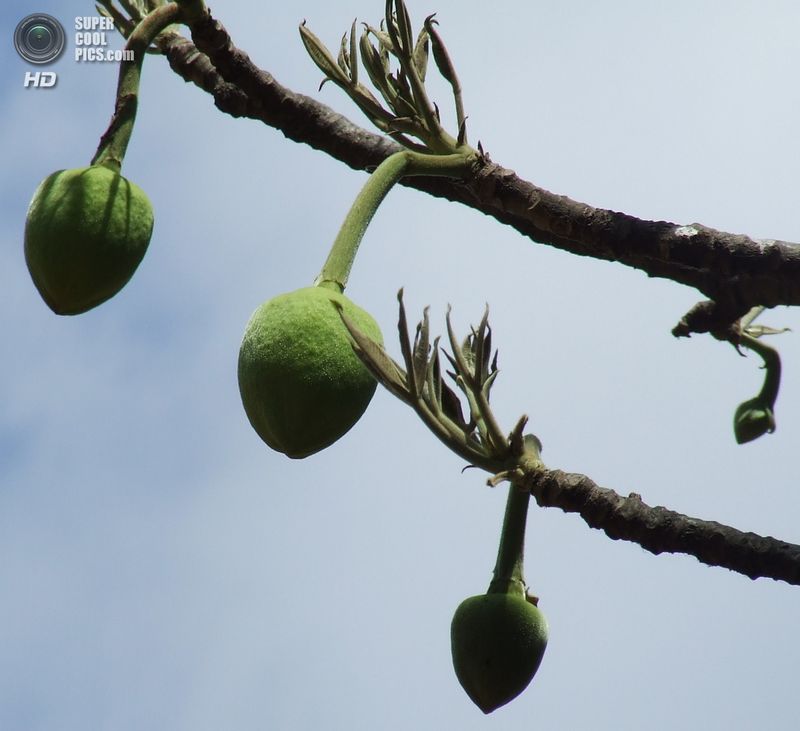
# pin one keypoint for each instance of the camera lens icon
(39, 38)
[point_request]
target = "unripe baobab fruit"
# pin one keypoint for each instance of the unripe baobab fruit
(86, 232)
(301, 384)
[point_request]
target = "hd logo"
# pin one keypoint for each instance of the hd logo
(40, 79)
(39, 39)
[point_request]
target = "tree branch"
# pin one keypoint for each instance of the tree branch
(660, 530)
(710, 317)
(734, 270)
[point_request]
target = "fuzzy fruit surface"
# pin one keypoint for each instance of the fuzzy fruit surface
(301, 384)
(86, 232)
(497, 641)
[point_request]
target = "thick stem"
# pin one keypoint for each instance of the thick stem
(337, 267)
(114, 142)
(508, 571)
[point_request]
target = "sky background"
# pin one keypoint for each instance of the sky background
(161, 568)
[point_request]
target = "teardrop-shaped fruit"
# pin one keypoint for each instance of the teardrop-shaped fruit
(301, 384)
(86, 232)
(753, 419)
(497, 641)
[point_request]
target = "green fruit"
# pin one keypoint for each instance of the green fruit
(752, 419)
(86, 232)
(497, 641)
(301, 384)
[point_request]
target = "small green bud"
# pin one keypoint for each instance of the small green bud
(497, 642)
(753, 419)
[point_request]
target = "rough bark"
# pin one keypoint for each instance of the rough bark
(733, 271)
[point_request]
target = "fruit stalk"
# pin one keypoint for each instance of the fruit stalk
(772, 365)
(114, 142)
(508, 577)
(756, 416)
(337, 267)
(498, 638)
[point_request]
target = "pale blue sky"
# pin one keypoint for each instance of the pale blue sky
(161, 568)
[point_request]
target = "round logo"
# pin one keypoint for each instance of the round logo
(39, 38)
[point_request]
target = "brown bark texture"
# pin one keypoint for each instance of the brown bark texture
(733, 273)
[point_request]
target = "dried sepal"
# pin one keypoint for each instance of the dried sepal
(459, 359)
(487, 384)
(405, 124)
(462, 133)
(403, 20)
(378, 73)
(367, 102)
(420, 54)
(405, 347)
(421, 350)
(447, 69)
(443, 397)
(386, 54)
(433, 378)
(385, 42)
(444, 403)
(404, 105)
(482, 348)
(421, 385)
(516, 438)
(347, 59)
(440, 55)
(375, 358)
(468, 349)
(353, 55)
(758, 331)
(408, 112)
(322, 57)
(475, 369)
(399, 29)
(343, 59)
(451, 406)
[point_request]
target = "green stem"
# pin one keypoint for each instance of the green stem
(114, 142)
(337, 267)
(772, 364)
(508, 575)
